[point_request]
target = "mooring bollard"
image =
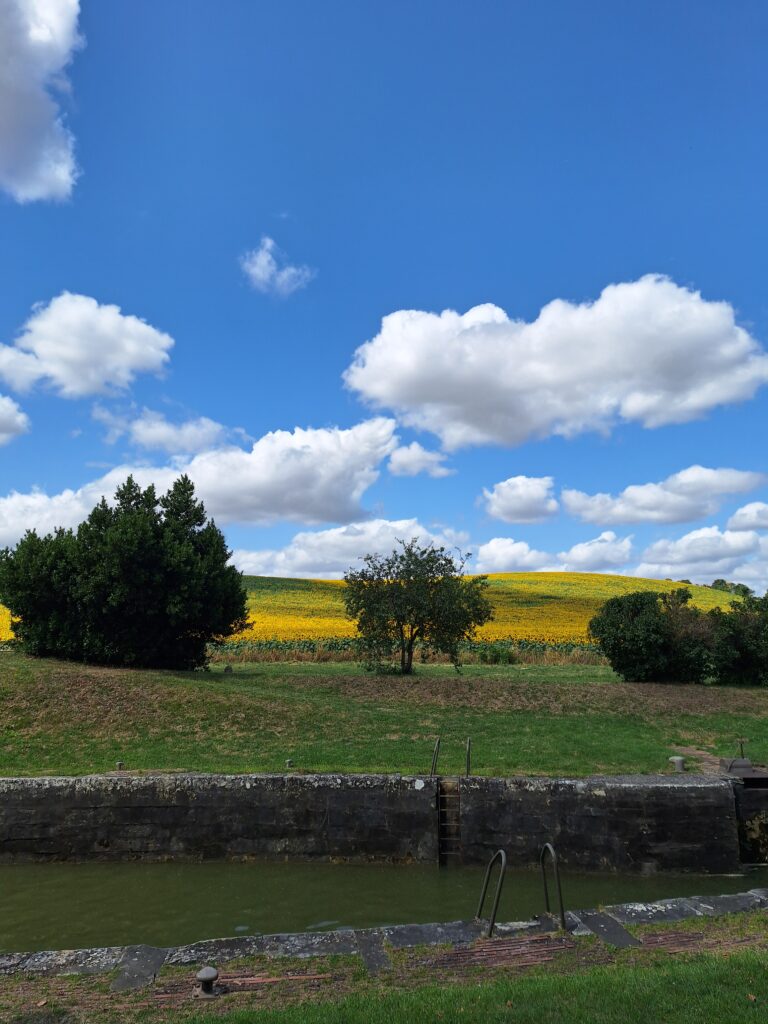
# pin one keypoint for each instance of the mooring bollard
(678, 763)
(120, 766)
(207, 976)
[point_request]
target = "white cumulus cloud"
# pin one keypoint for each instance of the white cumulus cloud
(80, 347)
(753, 516)
(692, 493)
(598, 555)
(504, 554)
(754, 572)
(269, 271)
(646, 351)
(327, 554)
(38, 39)
(309, 476)
(36, 510)
(152, 430)
(701, 555)
(12, 420)
(305, 475)
(601, 554)
(412, 459)
(521, 499)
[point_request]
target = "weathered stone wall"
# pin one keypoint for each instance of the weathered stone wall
(617, 823)
(206, 816)
(625, 823)
(752, 812)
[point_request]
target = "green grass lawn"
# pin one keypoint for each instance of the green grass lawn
(60, 718)
(703, 990)
(700, 990)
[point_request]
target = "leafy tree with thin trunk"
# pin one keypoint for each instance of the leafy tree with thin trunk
(415, 597)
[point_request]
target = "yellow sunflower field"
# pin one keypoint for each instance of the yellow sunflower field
(542, 607)
(545, 607)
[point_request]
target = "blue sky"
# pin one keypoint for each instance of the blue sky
(207, 210)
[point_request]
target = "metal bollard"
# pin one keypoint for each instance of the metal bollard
(207, 976)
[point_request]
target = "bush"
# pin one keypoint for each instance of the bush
(651, 637)
(144, 582)
(497, 654)
(739, 643)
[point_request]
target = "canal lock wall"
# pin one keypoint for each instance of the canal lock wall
(624, 823)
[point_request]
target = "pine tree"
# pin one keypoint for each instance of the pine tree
(144, 581)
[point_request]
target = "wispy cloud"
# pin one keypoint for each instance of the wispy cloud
(268, 270)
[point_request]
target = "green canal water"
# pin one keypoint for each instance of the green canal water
(69, 906)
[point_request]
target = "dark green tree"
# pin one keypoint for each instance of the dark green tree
(651, 637)
(144, 581)
(416, 596)
(739, 645)
(739, 589)
(37, 582)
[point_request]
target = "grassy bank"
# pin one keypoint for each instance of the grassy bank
(703, 989)
(61, 718)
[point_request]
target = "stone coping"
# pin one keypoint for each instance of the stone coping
(696, 780)
(346, 941)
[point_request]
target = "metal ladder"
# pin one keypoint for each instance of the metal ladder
(449, 808)
(549, 850)
(500, 856)
(448, 820)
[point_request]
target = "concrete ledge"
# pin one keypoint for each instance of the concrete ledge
(311, 944)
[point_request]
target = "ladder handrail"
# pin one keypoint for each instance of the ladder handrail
(548, 848)
(435, 754)
(499, 855)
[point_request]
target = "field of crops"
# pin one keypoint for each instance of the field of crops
(544, 607)
(549, 608)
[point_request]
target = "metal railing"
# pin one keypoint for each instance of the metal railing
(548, 848)
(501, 856)
(435, 755)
